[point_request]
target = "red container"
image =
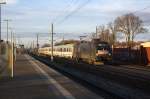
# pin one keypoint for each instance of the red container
(148, 54)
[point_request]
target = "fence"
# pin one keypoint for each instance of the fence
(133, 56)
(6, 59)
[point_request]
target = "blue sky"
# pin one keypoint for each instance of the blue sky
(35, 16)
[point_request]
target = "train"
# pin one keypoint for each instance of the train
(93, 52)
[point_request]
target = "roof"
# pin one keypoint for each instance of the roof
(65, 45)
(59, 46)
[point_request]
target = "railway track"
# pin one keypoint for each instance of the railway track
(135, 78)
(134, 72)
(123, 77)
(132, 78)
(100, 91)
(136, 67)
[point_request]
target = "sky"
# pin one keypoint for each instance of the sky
(72, 18)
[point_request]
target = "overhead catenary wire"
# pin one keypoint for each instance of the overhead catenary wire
(66, 9)
(137, 11)
(140, 10)
(74, 11)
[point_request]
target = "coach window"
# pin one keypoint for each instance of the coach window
(64, 49)
(70, 50)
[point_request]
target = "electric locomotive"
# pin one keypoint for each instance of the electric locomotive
(93, 52)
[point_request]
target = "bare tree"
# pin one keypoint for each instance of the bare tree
(113, 31)
(103, 33)
(93, 35)
(130, 25)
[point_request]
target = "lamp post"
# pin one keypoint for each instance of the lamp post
(52, 47)
(7, 21)
(1, 3)
(12, 54)
(37, 41)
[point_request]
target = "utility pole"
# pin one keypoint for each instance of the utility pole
(96, 32)
(0, 20)
(0, 23)
(14, 41)
(33, 44)
(12, 55)
(18, 39)
(37, 41)
(30, 45)
(2, 2)
(63, 39)
(7, 21)
(52, 28)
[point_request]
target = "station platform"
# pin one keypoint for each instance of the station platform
(34, 80)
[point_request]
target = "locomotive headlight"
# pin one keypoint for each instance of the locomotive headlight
(109, 54)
